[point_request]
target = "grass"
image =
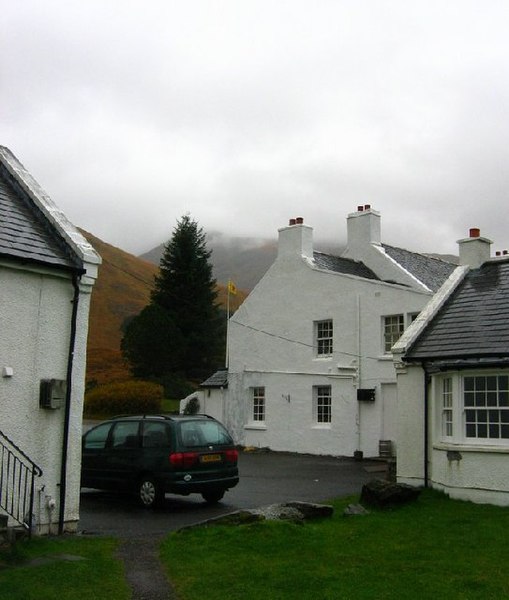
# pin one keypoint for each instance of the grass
(434, 548)
(100, 575)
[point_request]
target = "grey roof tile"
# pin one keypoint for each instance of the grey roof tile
(432, 272)
(25, 234)
(474, 322)
(338, 264)
(218, 379)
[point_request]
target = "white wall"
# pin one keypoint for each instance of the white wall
(271, 344)
(35, 320)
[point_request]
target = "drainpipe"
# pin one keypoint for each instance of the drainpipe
(427, 379)
(68, 394)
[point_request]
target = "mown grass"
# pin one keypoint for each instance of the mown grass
(434, 548)
(100, 575)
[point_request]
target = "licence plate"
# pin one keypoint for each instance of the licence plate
(208, 458)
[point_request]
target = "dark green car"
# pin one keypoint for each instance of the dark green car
(152, 455)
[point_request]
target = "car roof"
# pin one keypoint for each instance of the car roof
(176, 417)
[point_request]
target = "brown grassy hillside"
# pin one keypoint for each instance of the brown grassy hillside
(121, 291)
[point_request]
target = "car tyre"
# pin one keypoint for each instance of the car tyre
(213, 497)
(149, 492)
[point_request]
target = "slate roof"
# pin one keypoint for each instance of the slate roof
(474, 322)
(432, 272)
(338, 264)
(25, 233)
(218, 380)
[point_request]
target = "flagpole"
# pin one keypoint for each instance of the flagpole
(227, 357)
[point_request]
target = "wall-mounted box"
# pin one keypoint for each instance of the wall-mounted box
(366, 394)
(52, 393)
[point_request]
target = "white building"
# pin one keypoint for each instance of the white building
(453, 383)
(47, 270)
(310, 368)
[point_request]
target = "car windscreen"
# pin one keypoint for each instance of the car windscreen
(203, 433)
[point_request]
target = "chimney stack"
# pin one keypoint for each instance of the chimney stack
(296, 239)
(363, 229)
(474, 250)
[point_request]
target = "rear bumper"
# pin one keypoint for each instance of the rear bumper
(198, 485)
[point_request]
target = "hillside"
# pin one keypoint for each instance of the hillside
(121, 291)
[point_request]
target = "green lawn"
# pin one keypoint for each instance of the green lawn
(99, 576)
(435, 548)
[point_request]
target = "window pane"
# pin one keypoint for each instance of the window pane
(469, 399)
(96, 438)
(468, 384)
(125, 435)
(503, 382)
(480, 383)
(482, 431)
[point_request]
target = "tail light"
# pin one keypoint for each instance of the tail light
(231, 456)
(183, 459)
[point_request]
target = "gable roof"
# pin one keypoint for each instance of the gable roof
(338, 264)
(432, 272)
(32, 229)
(473, 322)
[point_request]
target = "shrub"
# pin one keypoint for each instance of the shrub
(192, 406)
(126, 397)
(175, 386)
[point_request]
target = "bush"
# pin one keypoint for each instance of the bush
(192, 406)
(175, 386)
(126, 397)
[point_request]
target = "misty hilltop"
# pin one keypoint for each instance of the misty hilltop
(244, 260)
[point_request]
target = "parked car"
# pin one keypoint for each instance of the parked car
(154, 454)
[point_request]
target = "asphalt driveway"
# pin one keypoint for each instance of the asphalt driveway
(265, 478)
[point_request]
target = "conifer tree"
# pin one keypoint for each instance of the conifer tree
(185, 291)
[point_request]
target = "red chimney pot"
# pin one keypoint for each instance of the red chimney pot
(367, 207)
(299, 220)
(498, 253)
(292, 222)
(360, 208)
(475, 232)
(505, 252)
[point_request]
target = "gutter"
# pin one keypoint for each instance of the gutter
(68, 395)
(427, 378)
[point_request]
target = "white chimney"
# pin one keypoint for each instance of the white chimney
(296, 239)
(474, 250)
(363, 228)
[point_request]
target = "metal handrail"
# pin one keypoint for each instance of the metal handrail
(17, 482)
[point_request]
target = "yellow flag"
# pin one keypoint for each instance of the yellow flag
(232, 288)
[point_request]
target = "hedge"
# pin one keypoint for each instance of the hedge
(126, 397)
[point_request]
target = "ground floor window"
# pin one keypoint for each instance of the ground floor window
(323, 403)
(473, 407)
(258, 404)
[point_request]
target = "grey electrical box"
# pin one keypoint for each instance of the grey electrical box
(52, 393)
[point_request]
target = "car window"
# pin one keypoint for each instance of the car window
(203, 433)
(125, 434)
(155, 435)
(96, 438)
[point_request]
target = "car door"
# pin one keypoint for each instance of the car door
(94, 457)
(123, 453)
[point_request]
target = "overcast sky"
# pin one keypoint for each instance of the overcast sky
(247, 113)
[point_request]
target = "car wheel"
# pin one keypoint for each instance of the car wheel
(213, 497)
(149, 492)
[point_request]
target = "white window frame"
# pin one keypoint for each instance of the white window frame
(322, 405)
(324, 338)
(392, 330)
(258, 404)
(461, 411)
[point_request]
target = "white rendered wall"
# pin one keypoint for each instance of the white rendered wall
(35, 321)
(271, 345)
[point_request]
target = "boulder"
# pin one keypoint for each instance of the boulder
(355, 510)
(310, 510)
(382, 494)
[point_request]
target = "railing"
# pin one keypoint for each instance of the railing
(17, 482)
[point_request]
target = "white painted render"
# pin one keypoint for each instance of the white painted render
(271, 341)
(35, 320)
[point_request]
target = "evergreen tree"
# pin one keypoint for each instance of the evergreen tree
(152, 343)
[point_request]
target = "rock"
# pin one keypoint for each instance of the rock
(310, 510)
(383, 494)
(281, 512)
(353, 510)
